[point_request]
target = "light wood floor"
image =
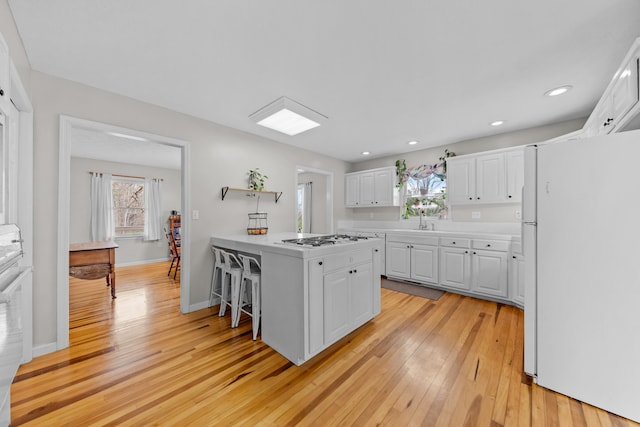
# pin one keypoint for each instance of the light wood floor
(137, 361)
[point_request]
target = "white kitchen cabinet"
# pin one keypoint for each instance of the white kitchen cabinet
(398, 263)
(352, 190)
(614, 110)
(489, 267)
(515, 174)
(486, 178)
(371, 188)
(5, 76)
(454, 267)
(516, 275)
(413, 261)
(461, 180)
(490, 178)
(424, 263)
(348, 300)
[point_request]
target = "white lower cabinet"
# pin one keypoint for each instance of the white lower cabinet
(472, 266)
(454, 267)
(489, 273)
(348, 301)
(414, 261)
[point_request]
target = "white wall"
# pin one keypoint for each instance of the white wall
(130, 251)
(220, 156)
(491, 214)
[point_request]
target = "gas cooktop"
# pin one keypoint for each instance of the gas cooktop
(330, 239)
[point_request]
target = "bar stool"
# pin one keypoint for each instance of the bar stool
(249, 304)
(232, 268)
(219, 286)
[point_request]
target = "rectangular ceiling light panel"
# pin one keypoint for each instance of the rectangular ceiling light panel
(287, 116)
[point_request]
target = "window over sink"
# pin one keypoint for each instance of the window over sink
(425, 191)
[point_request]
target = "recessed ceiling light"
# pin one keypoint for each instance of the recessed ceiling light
(412, 142)
(122, 135)
(365, 153)
(558, 91)
(287, 116)
(497, 123)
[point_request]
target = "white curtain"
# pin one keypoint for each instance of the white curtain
(152, 221)
(306, 207)
(101, 207)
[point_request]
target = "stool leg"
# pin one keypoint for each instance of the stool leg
(214, 276)
(225, 297)
(255, 307)
(237, 301)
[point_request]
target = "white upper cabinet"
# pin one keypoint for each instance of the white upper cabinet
(618, 108)
(486, 178)
(515, 175)
(371, 188)
(490, 178)
(5, 76)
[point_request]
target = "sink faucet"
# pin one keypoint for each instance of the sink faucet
(424, 225)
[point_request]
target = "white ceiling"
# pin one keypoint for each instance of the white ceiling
(383, 72)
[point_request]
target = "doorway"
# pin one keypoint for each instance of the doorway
(314, 207)
(69, 126)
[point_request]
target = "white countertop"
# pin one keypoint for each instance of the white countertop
(273, 243)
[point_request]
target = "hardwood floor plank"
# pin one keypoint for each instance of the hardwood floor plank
(136, 360)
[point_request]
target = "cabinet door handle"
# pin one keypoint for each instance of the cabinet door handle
(355, 271)
(470, 198)
(320, 263)
(488, 245)
(1, 92)
(514, 257)
(375, 250)
(509, 196)
(478, 198)
(466, 252)
(474, 253)
(453, 243)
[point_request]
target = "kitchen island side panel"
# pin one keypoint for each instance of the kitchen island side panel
(284, 302)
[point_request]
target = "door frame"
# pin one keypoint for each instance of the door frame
(67, 123)
(329, 205)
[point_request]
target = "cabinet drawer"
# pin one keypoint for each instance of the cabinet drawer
(491, 245)
(454, 242)
(342, 260)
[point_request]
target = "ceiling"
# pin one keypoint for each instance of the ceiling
(383, 72)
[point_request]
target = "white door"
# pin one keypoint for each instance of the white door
(424, 263)
(398, 259)
(336, 305)
(588, 283)
(367, 192)
(352, 190)
(461, 180)
(490, 178)
(489, 273)
(361, 294)
(454, 268)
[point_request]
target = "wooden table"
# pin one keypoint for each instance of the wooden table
(94, 260)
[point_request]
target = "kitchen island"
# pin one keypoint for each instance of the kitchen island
(312, 296)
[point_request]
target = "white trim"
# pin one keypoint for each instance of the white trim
(43, 349)
(142, 262)
(329, 207)
(67, 123)
(21, 100)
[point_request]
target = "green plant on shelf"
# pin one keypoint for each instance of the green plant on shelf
(256, 180)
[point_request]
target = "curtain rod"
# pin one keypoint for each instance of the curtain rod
(125, 176)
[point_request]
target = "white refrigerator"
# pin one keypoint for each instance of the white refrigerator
(581, 240)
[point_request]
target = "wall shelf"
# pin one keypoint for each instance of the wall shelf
(251, 193)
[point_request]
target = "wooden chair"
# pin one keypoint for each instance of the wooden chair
(174, 249)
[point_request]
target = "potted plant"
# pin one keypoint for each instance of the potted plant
(401, 168)
(256, 180)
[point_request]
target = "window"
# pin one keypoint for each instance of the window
(128, 207)
(425, 192)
